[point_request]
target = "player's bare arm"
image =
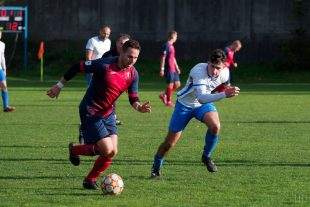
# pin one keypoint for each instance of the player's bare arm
(162, 66)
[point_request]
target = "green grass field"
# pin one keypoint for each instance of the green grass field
(263, 155)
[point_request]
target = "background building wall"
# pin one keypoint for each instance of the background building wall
(202, 24)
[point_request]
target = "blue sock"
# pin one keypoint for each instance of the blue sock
(5, 98)
(211, 141)
(158, 162)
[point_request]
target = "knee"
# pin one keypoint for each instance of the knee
(3, 87)
(110, 153)
(215, 128)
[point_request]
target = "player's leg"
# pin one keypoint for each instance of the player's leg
(107, 149)
(180, 118)
(208, 115)
(5, 93)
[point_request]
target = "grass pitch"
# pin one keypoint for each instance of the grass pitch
(263, 155)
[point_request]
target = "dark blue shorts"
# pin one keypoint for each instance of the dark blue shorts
(172, 77)
(94, 128)
(2, 75)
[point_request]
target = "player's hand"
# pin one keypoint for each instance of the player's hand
(178, 70)
(235, 65)
(231, 91)
(161, 73)
(54, 91)
(145, 107)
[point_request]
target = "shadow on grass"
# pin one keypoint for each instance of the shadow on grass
(168, 162)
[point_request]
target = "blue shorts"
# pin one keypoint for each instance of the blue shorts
(2, 75)
(172, 77)
(94, 128)
(183, 114)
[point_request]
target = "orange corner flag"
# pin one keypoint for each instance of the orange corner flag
(41, 50)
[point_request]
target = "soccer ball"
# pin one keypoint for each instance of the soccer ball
(112, 184)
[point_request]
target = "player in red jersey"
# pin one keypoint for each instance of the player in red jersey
(170, 69)
(112, 76)
(230, 51)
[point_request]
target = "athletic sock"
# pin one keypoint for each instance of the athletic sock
(101, 164)
(5, 98)
(158, 162)
(85, 149)
(211, 141)
(169, 92)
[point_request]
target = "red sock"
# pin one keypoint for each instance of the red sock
(169, 91)
(85, 149)
(101, 164)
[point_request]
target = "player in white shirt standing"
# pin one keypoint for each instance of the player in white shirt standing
(3, 85)
(195, 100)
(97, 46)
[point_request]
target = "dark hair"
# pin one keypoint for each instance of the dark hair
(131, 43)
(123, 36)
(171, 33)
(217, 56)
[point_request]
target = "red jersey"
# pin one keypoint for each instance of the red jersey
(168, 52)
(229, 57)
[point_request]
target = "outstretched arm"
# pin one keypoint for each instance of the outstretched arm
(54, 91)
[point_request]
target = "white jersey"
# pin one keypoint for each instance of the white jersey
(2, 58)
(199, 86)
(98, 46)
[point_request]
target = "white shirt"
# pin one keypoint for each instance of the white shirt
(98, 46)
(2, 58)
(199, 86)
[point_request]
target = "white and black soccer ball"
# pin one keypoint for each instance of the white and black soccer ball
(112, 184)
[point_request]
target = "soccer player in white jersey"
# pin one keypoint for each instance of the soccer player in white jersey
(196, 100)
(97, 46)
(3, 85)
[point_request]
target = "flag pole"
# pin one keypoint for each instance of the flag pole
(41, 69)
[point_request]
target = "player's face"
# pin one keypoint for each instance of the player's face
(105, 33)
(215, 69)
(129, 57)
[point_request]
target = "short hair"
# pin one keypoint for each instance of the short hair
(171, 33)
(131, 43)
(237, 42)
(123, 36)
(217, 56)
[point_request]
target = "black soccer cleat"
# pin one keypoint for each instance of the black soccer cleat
(211, 167)
(74, 159)
(155, 174)
(91, 185)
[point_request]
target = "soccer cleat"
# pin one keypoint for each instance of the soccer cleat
(89, 184)
(9, 109)
(211, 167)
(74, 159)
(118, 122)
(155, 173)
(163, 97)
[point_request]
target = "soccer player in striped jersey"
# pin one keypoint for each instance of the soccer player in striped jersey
(111, 77)
(195, 100)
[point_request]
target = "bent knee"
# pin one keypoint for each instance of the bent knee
(215, 128)
(110, 153)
